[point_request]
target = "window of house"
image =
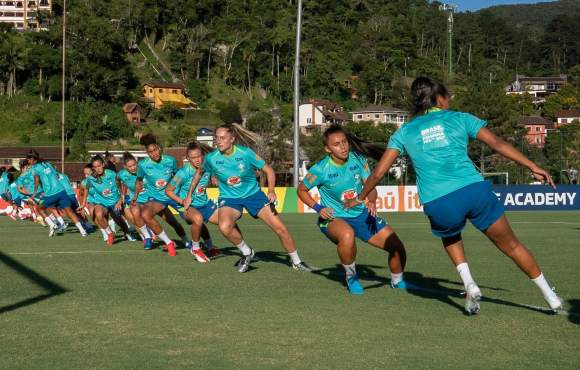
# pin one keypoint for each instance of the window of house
(308, 120)
(538, 129)
(151, 91)
(174, 91)
(160, 90)
(359, 116)
(377, 115)
(368, 116)
(564, 120)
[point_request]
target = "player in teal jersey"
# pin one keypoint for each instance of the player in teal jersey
(234, 167)
(155, 172)
(339, 176)
(107, 199)
(133, 212)
(192, 201)
(25, 184)
(450, 187)
(55, 197)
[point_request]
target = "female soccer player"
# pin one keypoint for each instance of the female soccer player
(202, 209)
(234, 167)
(55, 197)
(89, 207)
(106, 197)
(451, 189)
(128, 176)
(155, 172)
(339, 176)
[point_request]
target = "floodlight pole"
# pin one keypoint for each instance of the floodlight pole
(297, 96)
(63, 85)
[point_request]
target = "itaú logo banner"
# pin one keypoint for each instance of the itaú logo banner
(539, 197)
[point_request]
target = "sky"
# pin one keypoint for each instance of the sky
(473, 5)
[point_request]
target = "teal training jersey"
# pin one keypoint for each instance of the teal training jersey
(235, 172)
(48, 176)
(26, 180)
(338, 182)
(91, 196)
(4, 183)
(105, 186)
(156, 175)
(182, 181)
(64, 180)
(13, 189)
(128, 179)
(437, 143)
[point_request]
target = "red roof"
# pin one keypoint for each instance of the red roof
(50, 153)
(130, 107)
(568, 113)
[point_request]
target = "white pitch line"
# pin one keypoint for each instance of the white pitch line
(71, 252)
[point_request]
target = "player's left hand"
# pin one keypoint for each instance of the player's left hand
(372, 208)
(119, 205)
(542, 175)
(186, 202)
(272, 197)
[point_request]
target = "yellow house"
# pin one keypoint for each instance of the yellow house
(159, 93)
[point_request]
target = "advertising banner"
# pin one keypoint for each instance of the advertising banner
(539, 197)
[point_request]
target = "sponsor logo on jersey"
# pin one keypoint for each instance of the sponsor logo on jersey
(200, 190)
(234, 181)
(160, 183)
(107, 192)
(348, 194)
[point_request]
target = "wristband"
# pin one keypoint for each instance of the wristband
(317, 207)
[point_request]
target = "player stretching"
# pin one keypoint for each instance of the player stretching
(340, 176)
(155, 172)
(106, 197)
(55, 196)
(234, 167)
(450, 187)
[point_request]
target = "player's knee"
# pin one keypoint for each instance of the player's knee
(347, 236)
(225, 227)
(196, 219)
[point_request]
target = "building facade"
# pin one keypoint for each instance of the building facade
(23, 15)
(536, 129)
(564, 117)
(158, 93)
(380, 115)
(319, 113)
(538, 87)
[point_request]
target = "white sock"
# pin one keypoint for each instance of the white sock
(113, 226)
(49, 222)
(350, 269)
(208, 244)
(164, 238)
(105, 234)
(295, 257)
(194, 245)
(81, 228)
(465, 275)
(144, 230)
(244, 248)
(60, 221)
(54, 220)
(396, 278)
(542, 283)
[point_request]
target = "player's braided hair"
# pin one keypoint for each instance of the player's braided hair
(128, 157)
(358, 145)
(33, 154)
(242, 135)
(424, 92)
(204, 148)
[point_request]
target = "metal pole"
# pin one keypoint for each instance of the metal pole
(450, 52)
(63, 84)
(297, 96)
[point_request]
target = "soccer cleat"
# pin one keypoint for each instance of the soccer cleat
(556, 303)
(472, 298)
(403, 284)
(171, 249)
(199, 255)
(110, 239)
(354, 286)
(148, 244)
(244, 263)
(214, 252)
(302, 267)
(84, 234)
(51, 231)
(130, 237)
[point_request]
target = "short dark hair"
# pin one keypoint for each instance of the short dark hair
(424, 92)
(148, 139)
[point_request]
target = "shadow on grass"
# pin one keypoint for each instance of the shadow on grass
(52, 289)
(432, 288)
(574, 313)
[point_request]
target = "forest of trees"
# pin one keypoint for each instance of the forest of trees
(249, 46)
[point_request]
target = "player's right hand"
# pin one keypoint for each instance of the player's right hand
(186, 202)
(542, 175)
(327, 213)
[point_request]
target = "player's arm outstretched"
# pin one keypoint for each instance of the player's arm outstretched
(375, 177)
(486, 136)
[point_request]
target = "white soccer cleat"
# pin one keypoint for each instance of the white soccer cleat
(51, 231)
(199, 255)
(556, 303)
(472, 299)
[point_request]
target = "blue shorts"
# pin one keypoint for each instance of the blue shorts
(476, 202)
(73, 202)
(140, 200)
(59, 200)
(365, 226)
(253, 203)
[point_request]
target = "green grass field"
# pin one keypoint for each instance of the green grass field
(68, 302)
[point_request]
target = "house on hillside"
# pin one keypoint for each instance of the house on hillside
(320, 113)
(158, 93)
(379, 114)
(536, 129)
(564, 117)
(23, 15)
(133, 113)
(538, 87)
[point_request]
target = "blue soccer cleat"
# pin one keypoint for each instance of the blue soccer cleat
(354, 286)
(404, 285)
(148, 244)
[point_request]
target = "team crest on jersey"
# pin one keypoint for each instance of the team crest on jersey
(234, 181)
(348, 194)
(160, 183)
(241, 167)
(310, 177)
(200, 190)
